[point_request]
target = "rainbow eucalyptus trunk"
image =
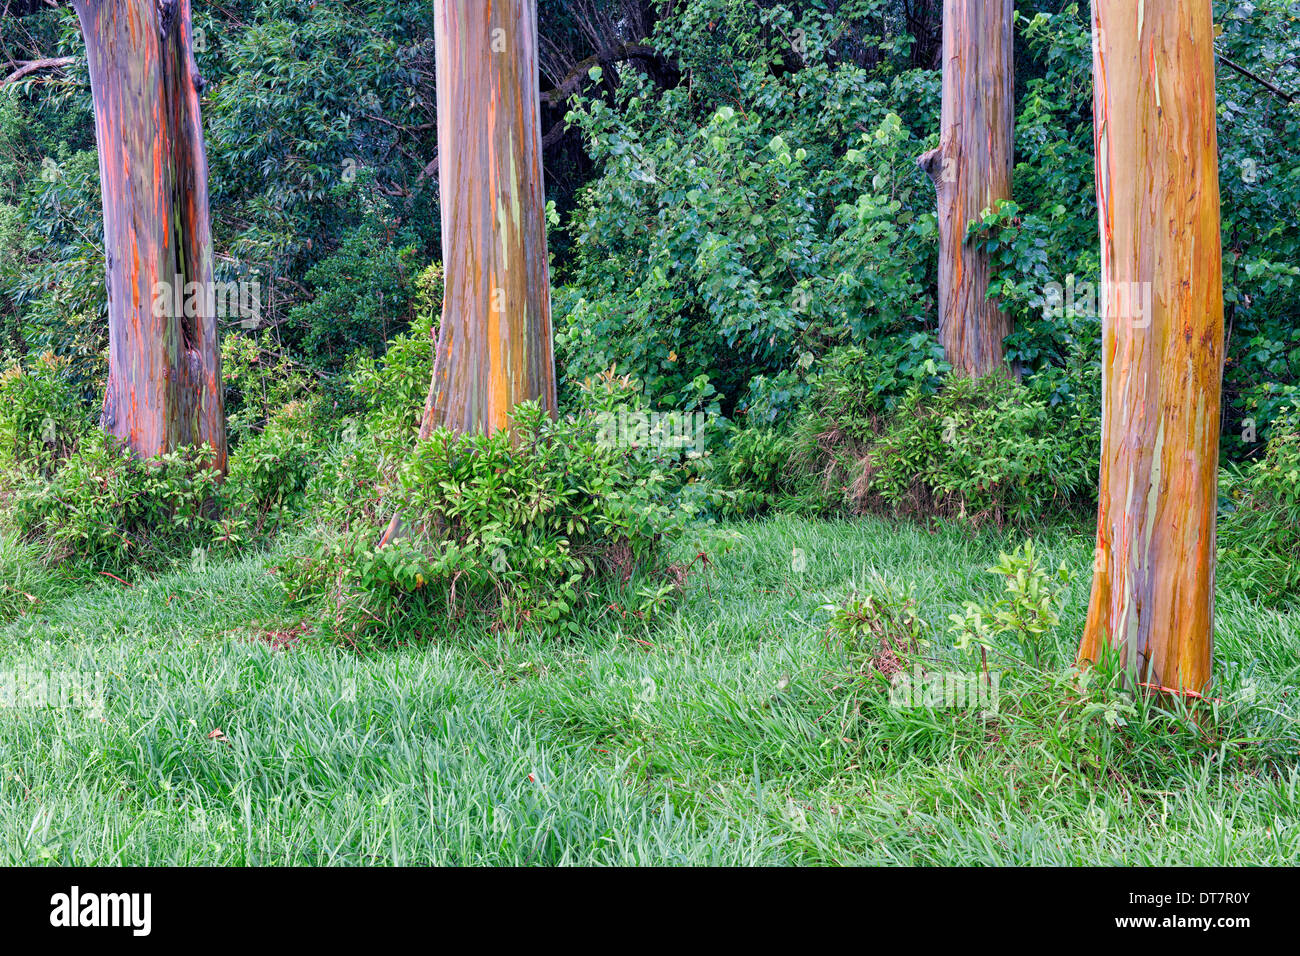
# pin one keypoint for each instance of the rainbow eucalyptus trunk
(971, 171)
(494, 343)
(164, 378)
(1162, 340)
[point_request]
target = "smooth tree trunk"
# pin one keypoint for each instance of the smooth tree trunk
(971, 171)
(494, 344)
(164, 380)
(1162, 340)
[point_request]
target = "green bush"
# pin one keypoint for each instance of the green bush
(391, 391)
(259, 380)
(979, 449)
(1259, 520)
(514, 531)
(269, 475)
(870, 436)
(364, 291)
(76, 495)
(854, 387)
(110, 510)
(1025, 617)
(806, 459)
(740, 221)
(755, 468)
(41, 418)
(879, 631)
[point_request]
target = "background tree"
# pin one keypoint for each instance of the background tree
(164, 380)
(494, 345)
(1162, 340)
(971, 170)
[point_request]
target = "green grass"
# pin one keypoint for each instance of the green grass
(728, 732)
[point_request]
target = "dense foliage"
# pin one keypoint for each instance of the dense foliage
(738, 227)
(516, 529)
(1259, 524)
(572, 641)
(747, 223)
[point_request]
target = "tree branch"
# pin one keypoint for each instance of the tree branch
(1275, 90)
(31, 66)
(573, 82)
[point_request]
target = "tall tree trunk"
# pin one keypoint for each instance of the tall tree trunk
(164, 379)
(971, 170)
(494, 343)
(1162, 339)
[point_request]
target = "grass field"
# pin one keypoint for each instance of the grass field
(730, 732)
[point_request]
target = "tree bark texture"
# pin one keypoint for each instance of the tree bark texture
(971, 171)
(1162, 340)
(494, 345)
(164, 381)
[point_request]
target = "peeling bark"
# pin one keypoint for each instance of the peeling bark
(31, 66)
(971, 171)
(494, 345)
(164, 382)
(493, 348)
(1162, 361)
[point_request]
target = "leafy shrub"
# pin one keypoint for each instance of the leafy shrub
(857, 385)
(853, 396)
(512, 530)
(52, 276)
(259, 379)
(109, 509)
(738, 222)
(810, 458)
(874, 432)
(41, 418)
(269, 474)
(1276, 477)
(1026, 614)
(879, 630)
(755, 468)
(978, 449)
(1259, 521)
(391, 391)
(387, 396)
(75, 494)
(360, 289)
